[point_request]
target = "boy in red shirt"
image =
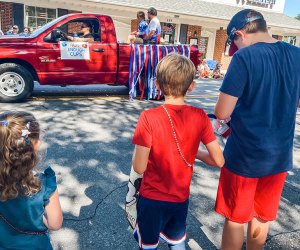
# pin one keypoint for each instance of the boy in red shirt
(167, 139)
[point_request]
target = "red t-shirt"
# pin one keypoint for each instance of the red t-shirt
(167, 177)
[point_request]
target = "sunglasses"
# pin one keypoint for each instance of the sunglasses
(84, 27)
(231, 36)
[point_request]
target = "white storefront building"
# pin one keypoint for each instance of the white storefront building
(201, 22)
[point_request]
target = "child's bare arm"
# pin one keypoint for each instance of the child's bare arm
(203, 155)
(53, 217)
(213, 156)
(140, 159)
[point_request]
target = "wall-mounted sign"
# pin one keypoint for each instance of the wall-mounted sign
(263, 1)
(193, 41)
(167, 29)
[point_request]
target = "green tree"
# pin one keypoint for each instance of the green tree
(298, 17)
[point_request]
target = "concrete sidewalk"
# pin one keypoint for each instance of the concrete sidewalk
(89, 147)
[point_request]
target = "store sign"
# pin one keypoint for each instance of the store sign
(74, 50)
(263, 1)
(168, 28)
(168, 32)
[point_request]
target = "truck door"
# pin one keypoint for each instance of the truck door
(60, 60)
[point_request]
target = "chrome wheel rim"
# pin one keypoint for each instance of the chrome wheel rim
(11, 84)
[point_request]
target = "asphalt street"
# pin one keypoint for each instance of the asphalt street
(88, 134)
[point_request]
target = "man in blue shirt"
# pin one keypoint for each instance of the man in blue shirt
(261, 93)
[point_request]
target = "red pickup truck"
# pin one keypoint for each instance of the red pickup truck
(46, 56)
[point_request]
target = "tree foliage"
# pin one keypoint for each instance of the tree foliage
(298, 17)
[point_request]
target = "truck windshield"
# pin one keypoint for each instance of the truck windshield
(40, 30)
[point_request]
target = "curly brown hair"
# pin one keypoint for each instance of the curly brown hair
(18, 157)
(141, 14)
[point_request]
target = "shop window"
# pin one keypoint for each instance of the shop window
(183, 33)
(168, 32)
(36, 17)
(203, 46)
(290, 39)
(226, 49)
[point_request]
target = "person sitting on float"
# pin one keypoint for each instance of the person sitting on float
(139, 35)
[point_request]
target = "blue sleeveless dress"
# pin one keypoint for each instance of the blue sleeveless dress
(26, 214)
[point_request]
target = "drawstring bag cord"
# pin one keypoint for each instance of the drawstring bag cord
(21, 231)
(175, 138)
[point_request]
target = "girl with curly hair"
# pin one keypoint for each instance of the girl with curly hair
(29, 203)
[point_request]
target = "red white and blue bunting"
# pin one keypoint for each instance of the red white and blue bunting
(142, 68)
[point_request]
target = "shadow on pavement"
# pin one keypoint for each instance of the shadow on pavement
(89, 147)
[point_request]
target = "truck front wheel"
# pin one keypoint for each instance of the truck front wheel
(16, 82)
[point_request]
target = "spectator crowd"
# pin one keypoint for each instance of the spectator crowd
(13, 30)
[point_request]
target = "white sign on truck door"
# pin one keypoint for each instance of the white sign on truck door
(74, 50)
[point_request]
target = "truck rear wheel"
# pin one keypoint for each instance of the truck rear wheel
(16, 82)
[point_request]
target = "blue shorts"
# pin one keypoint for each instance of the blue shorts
(160, 219)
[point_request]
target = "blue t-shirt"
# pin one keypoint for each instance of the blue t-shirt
(266, 79)
(142, 29)
(26, 214)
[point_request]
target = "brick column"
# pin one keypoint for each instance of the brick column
(134, 25)
(221, 37)
(6, 12)
(193, 31)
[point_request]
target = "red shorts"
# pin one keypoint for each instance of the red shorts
(240, 198)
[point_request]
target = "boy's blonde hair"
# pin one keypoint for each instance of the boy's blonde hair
(174, 74)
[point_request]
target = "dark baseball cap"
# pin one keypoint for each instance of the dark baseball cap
(239, 21)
